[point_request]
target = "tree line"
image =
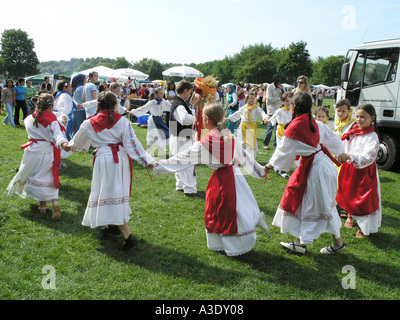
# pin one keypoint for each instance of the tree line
(256, 63)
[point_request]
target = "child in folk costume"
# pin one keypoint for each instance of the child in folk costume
(308, 206)
(38, 177)
(359, 189)
(283, 115)
(322, 114)
(231, 211)
(344, 119)
(157, 130)
(116, 145)
(282, 118)
(204, 93)
(248, 114)
(64, 105)
(343, 123)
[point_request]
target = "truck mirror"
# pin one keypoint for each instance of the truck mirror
(345, 72)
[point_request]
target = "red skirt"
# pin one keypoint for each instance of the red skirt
(358, 189)
(220, 208)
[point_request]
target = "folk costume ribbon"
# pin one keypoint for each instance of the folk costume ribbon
(340, 125)
(295, 189)
(249, 128)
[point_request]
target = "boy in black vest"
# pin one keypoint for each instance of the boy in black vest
(181, 120)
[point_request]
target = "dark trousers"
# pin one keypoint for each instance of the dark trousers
(268, 135)
(21, 104)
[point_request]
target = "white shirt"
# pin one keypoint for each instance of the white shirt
(152, 107)
(254, 115)
(63, 106)
(274, 95)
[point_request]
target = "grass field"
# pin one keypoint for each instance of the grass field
(172, 261)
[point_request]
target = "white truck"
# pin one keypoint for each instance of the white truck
(370, 75)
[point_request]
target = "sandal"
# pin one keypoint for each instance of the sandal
(331, 250)
(360, 234)
(42, 210)
(349, 223)
(56, 216)
(294, 247)
(343, 214)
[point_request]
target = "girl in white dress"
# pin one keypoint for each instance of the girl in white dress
(38, 177)
(116, 145)
(231, 211)
(308, 206)
(157, 130)
(359, 189)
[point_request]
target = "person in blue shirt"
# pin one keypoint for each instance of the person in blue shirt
(20, 100)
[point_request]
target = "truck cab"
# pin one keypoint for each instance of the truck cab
(369, 75)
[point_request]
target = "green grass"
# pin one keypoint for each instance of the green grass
(172, 260)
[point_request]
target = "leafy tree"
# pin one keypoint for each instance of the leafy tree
(120, 63)
(327, 70)
(295, 61)
(257, 69)
(85, 66)
(17, 55)
(151, 67)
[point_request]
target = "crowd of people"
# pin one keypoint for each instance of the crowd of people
(334, 163)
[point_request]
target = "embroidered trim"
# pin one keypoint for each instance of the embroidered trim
(141, 158)
(310, 218)
(41, 184)
(107, 202)
(243, 234)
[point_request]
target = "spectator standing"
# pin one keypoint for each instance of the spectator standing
(20, 100)
(8, 101)
(90, 92)
(273, 100)
(46, 86)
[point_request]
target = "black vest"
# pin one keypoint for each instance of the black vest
(175, 128)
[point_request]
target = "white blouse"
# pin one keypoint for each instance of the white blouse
(363, 149)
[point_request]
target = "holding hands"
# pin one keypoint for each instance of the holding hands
(343, 157)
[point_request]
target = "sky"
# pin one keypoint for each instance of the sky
(187, 31)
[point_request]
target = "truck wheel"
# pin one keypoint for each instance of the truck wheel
(388, 153)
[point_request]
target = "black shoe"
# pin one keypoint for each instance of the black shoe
(110, 230)
(194, 195)
(129, 243)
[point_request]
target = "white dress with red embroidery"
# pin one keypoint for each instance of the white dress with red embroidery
(359, 179)
(231, 211)
(35, 178)
(112, 170)
(317, 212)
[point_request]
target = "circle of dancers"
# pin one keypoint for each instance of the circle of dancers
(335, 173)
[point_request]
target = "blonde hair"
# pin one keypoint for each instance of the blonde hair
(215, 113)
(45, 101)
(307, 81)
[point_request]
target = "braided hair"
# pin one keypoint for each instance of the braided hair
(302, 104)
(45, 102)
(107, 101)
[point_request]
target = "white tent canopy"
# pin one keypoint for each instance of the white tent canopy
(103, 72)
(322, 86)
(287, 86)
(183, 71)
(126, 73)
